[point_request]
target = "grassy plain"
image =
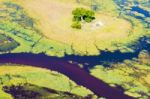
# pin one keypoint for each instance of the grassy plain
(55, 21)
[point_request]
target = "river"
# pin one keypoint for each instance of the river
(75, 73)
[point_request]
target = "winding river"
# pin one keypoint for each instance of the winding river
(75, 73)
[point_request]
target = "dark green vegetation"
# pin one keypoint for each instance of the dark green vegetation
(7, 43)
(80, 15)
(28, 91)
(22, 91)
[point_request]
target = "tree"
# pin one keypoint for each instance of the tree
(81, 14)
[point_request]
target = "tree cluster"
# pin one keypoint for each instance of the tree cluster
(81, 14)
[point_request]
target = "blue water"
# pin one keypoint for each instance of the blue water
(140, 10)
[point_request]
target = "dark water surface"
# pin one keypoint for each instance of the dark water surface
(75, 73)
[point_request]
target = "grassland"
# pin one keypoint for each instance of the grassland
(15, 75)
(49, 30)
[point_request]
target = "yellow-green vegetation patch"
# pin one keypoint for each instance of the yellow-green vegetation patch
(132, 76)
(15, 75)
(105, 32)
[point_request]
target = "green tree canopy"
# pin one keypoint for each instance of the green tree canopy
(83, 14)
